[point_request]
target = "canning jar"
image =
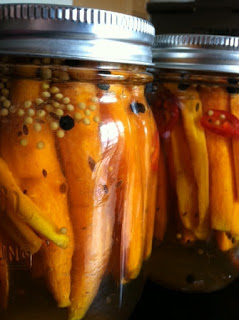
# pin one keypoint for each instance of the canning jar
(78, 149)
(195, 100)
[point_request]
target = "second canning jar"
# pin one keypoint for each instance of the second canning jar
(195, 100)
(78, 150)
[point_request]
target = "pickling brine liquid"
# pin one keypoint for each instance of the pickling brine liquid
(78, 150)
(196, 229)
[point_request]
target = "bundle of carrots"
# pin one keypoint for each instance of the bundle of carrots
(76, 163)
(200, 164)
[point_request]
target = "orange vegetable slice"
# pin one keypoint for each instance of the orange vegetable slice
(191, 111)
(186, 188)
(86, 170)
(149, 154)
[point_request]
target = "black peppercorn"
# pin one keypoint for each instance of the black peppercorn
(232, 90)
(137, 107)
(183, 86)
(67, 123)
(103, 86)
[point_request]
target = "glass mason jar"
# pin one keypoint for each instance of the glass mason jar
(195, 100)
(78, 148)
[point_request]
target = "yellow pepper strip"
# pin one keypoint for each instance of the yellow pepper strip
(191, 110)
(148, 155)
(25, 209)
(4, 281)
(133, 223)
(221, 173)
(19, 232)
(186, 188)
(161, 215)
(234, 106)
(86, 170)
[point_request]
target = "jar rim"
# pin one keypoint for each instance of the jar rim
(204, 52)
(71, 32)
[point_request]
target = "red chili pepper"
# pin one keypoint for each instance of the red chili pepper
(221, 122)
(166, 110)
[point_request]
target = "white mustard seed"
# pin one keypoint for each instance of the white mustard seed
(86, 121)
(59, 96)
(77, 116)
(82, 105)
(66, 100)
(41, 113)
(54, 90)
(222, 116)
(60, 133)
(87, 112)
(210, 112)
(6, 103)
(2, 98)
(56, 104)
(40, 145)
(39, 101)
(23, 142)
(31, 112)
(70, 107)
(96, 119)
(92, 107)
(46, 94)
(217, 123)
(13, 109)
(45, 86)
(54, 125)
(63, 230)
(28, 120)
(4, 112)
(59, 112)
(20, 112)
(94, 99)
(37, 127)
(27, 104)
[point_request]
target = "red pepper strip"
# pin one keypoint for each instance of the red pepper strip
(166, 113)
(221, 122)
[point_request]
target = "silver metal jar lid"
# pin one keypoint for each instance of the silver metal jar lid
(199, 52)
(74, 33)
